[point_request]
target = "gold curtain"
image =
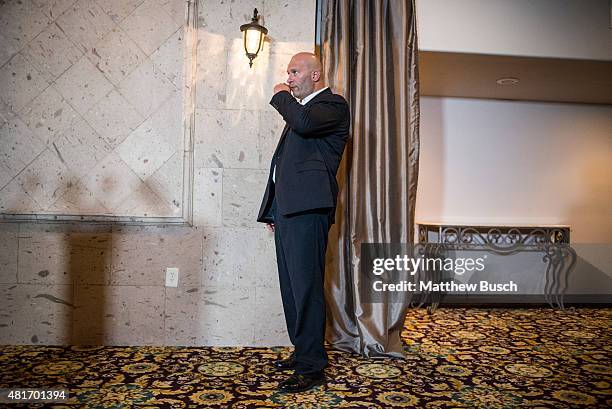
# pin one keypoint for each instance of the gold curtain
(369, 53)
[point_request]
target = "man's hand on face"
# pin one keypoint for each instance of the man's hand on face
(281, 87)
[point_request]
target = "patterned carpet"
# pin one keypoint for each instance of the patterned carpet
(457, 357)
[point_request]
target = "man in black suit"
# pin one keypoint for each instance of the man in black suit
(299, 206)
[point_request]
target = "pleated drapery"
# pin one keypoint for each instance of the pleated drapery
(369, 53)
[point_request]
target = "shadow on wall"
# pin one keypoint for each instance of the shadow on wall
(90, 266)
(57, 268)
(103, 285)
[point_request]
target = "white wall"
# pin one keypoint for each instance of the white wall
(546, 28)
(485, 161)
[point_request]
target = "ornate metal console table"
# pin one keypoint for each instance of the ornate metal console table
(552, 241)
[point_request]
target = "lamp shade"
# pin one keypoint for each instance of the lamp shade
(253, 34)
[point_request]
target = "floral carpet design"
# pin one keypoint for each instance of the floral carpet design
(455, 358)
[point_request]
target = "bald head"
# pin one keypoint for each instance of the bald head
(310, 60)
(305, 75)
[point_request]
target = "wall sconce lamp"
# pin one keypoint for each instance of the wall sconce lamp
(254, 34)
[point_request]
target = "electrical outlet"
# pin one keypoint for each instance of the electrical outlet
(172, 274)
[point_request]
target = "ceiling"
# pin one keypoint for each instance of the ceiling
(541, 79)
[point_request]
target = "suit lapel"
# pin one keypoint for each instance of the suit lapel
(278, 146)
(281, 140)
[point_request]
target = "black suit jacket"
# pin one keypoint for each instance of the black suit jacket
(308, 154)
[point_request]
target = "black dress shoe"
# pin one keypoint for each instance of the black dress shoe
(300, 383)
(288, 363)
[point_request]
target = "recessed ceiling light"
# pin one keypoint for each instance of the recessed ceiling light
(507, 81)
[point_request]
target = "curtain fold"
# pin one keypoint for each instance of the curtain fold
(369, 54)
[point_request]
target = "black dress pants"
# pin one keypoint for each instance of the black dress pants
(301, 241)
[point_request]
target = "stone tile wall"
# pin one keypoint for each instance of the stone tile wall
(92, 107)
(104, 284)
